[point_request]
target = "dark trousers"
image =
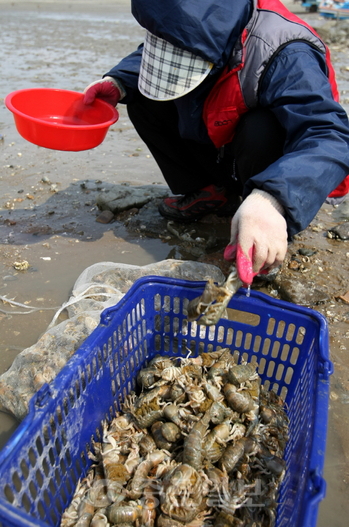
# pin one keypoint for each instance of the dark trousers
(188, 166)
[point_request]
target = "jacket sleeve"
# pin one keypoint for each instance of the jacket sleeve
(127, 72)
(316, 154)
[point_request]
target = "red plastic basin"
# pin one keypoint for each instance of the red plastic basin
(59, 119)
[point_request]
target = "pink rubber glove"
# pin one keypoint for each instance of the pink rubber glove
(258, 236)
(106, 89)
(243, 263)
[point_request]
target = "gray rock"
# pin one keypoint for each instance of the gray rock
(341, 231)
(342, 211)
(106, 216)
(122, 197)
(300, 291)
(306, 251)
(148, 221)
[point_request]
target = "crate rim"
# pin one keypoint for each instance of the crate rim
(240, 294)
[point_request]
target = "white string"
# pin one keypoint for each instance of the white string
(31, 309)
(82, 296)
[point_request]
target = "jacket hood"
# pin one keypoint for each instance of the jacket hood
(208, 28)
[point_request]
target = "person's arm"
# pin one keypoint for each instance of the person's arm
(316, 154)
(127, 72)
(120, 83)
(284, 198)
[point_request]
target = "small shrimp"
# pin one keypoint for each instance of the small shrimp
(239, 401)
(215, 441)
(84, 520)
(232, 455)
(210, 357)
(190, 360)
(171, 432)
(160, 362)
(171, 412)
(165, 521)
(101, 493)
(212, 304)
(274, 464)
(160, 441)
(228, 520)
(148, 397)
(86, 506)
(214, 452)
(218, 480)
(165, 467)
(274, 417)
(238, 431)
(277, 466)
(147, 377)
(176, 393)
(147, 414)
(171, 373)
(100, 519)
(69, 518)
(133, 459)
(240, 373)
(146, 444)
(219, 412)
(182, 493)
(230, 501)
(212, 391)
(121, 423)
(196, 396)
(268, 415)
(219, 369)
(197, 306)
(113, 461)
(70, 515)
(139, 480)
(149, 507)
(123, 513)
(273, 437)
(216, 477)
(193, 371)
(192, 449)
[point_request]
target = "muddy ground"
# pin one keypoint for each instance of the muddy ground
(48, 212)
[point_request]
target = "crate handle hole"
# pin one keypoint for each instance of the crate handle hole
(245, 317)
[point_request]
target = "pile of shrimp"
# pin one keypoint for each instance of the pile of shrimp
(201, 445)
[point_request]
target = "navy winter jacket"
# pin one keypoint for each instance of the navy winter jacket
(295, 88)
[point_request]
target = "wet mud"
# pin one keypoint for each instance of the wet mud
(49, 216)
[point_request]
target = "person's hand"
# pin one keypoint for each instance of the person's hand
(105, 89)
(258, 239)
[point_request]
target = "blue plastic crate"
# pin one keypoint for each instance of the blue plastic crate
(47, 454)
